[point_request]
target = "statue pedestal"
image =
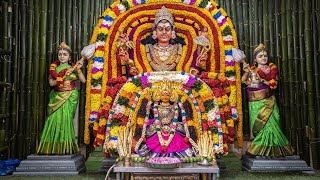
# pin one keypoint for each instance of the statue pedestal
(265, 164)
(51, 165)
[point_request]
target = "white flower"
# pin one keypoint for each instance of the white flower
(231, 78)
(186, 1)
(220, 19)
(208, 6)
(96, 87)
(121, 7)
(100, 43)
(108, 23)
(227, 38)
(120, 109)
(211, 114)
(97, 64)
(229, 58)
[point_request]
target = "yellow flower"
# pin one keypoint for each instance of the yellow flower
(212, 75)
(140, 121)
(95, 102)
(95, 125)
(127, 112)
(104, 30)
(190, 123)
(59, 79)
(130, 87)
(102, 121)
(114, 131)
(97, 75)
(225, 99)
(101, 136)
(108, 100)
(98, 53)
(219, 100)
(230, 123)
(112, 14)
(204, 91)
(229, 68)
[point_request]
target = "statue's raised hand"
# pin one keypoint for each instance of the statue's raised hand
(133, 70)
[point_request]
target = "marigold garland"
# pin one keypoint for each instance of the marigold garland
(112, 15)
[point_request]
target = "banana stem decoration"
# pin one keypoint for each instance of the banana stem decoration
(206, 145)
(124, 142)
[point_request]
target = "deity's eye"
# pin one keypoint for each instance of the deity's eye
(166, 28)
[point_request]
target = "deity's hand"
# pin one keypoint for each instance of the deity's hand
(124, 56)
(201, 60)
(133, 70)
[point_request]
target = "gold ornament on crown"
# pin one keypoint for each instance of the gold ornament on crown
(163, 14)
(259, 47)
(63, 45)
(165, 86)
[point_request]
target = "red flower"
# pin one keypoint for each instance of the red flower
(144, 140)
(124, 121)
(205, 126)
(106, 154)
(232, 132)
(212, 123)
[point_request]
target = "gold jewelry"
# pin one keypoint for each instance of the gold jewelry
(259, 47)
(163, 14)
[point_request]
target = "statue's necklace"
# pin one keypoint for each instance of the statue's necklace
(158, 124)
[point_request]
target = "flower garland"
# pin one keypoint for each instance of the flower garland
(189, 82)
(58, 77)
(164, 144)
(271, 77)
(103, 31)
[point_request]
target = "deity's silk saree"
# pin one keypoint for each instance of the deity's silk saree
(58, 136)
(265, 124)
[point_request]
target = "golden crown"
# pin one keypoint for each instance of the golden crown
(163, 14)
(260, 46)
(63, 45)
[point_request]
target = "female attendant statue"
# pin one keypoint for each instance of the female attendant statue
(165, 134)
(163, 47)
(261, 79)
(58, 136)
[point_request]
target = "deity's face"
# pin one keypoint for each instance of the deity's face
(165, 96)
(262, 58)
(63, 56)
(164, 31)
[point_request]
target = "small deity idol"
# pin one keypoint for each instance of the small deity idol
(165, 135)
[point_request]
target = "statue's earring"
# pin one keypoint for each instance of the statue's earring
(173, 35)
(154, 35)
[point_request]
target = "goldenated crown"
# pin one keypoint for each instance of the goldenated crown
(163, 14)
(63, 45)
(260, 46)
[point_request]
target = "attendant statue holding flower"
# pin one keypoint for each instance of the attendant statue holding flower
(261, 80)
(58, 136)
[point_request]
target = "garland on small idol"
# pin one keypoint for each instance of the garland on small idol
(129, 100)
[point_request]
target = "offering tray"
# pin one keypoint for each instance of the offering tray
(163, 162)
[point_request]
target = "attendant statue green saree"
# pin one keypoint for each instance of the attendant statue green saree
(265, 124)
(58, 136)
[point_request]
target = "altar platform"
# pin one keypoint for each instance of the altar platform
(138, 170)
